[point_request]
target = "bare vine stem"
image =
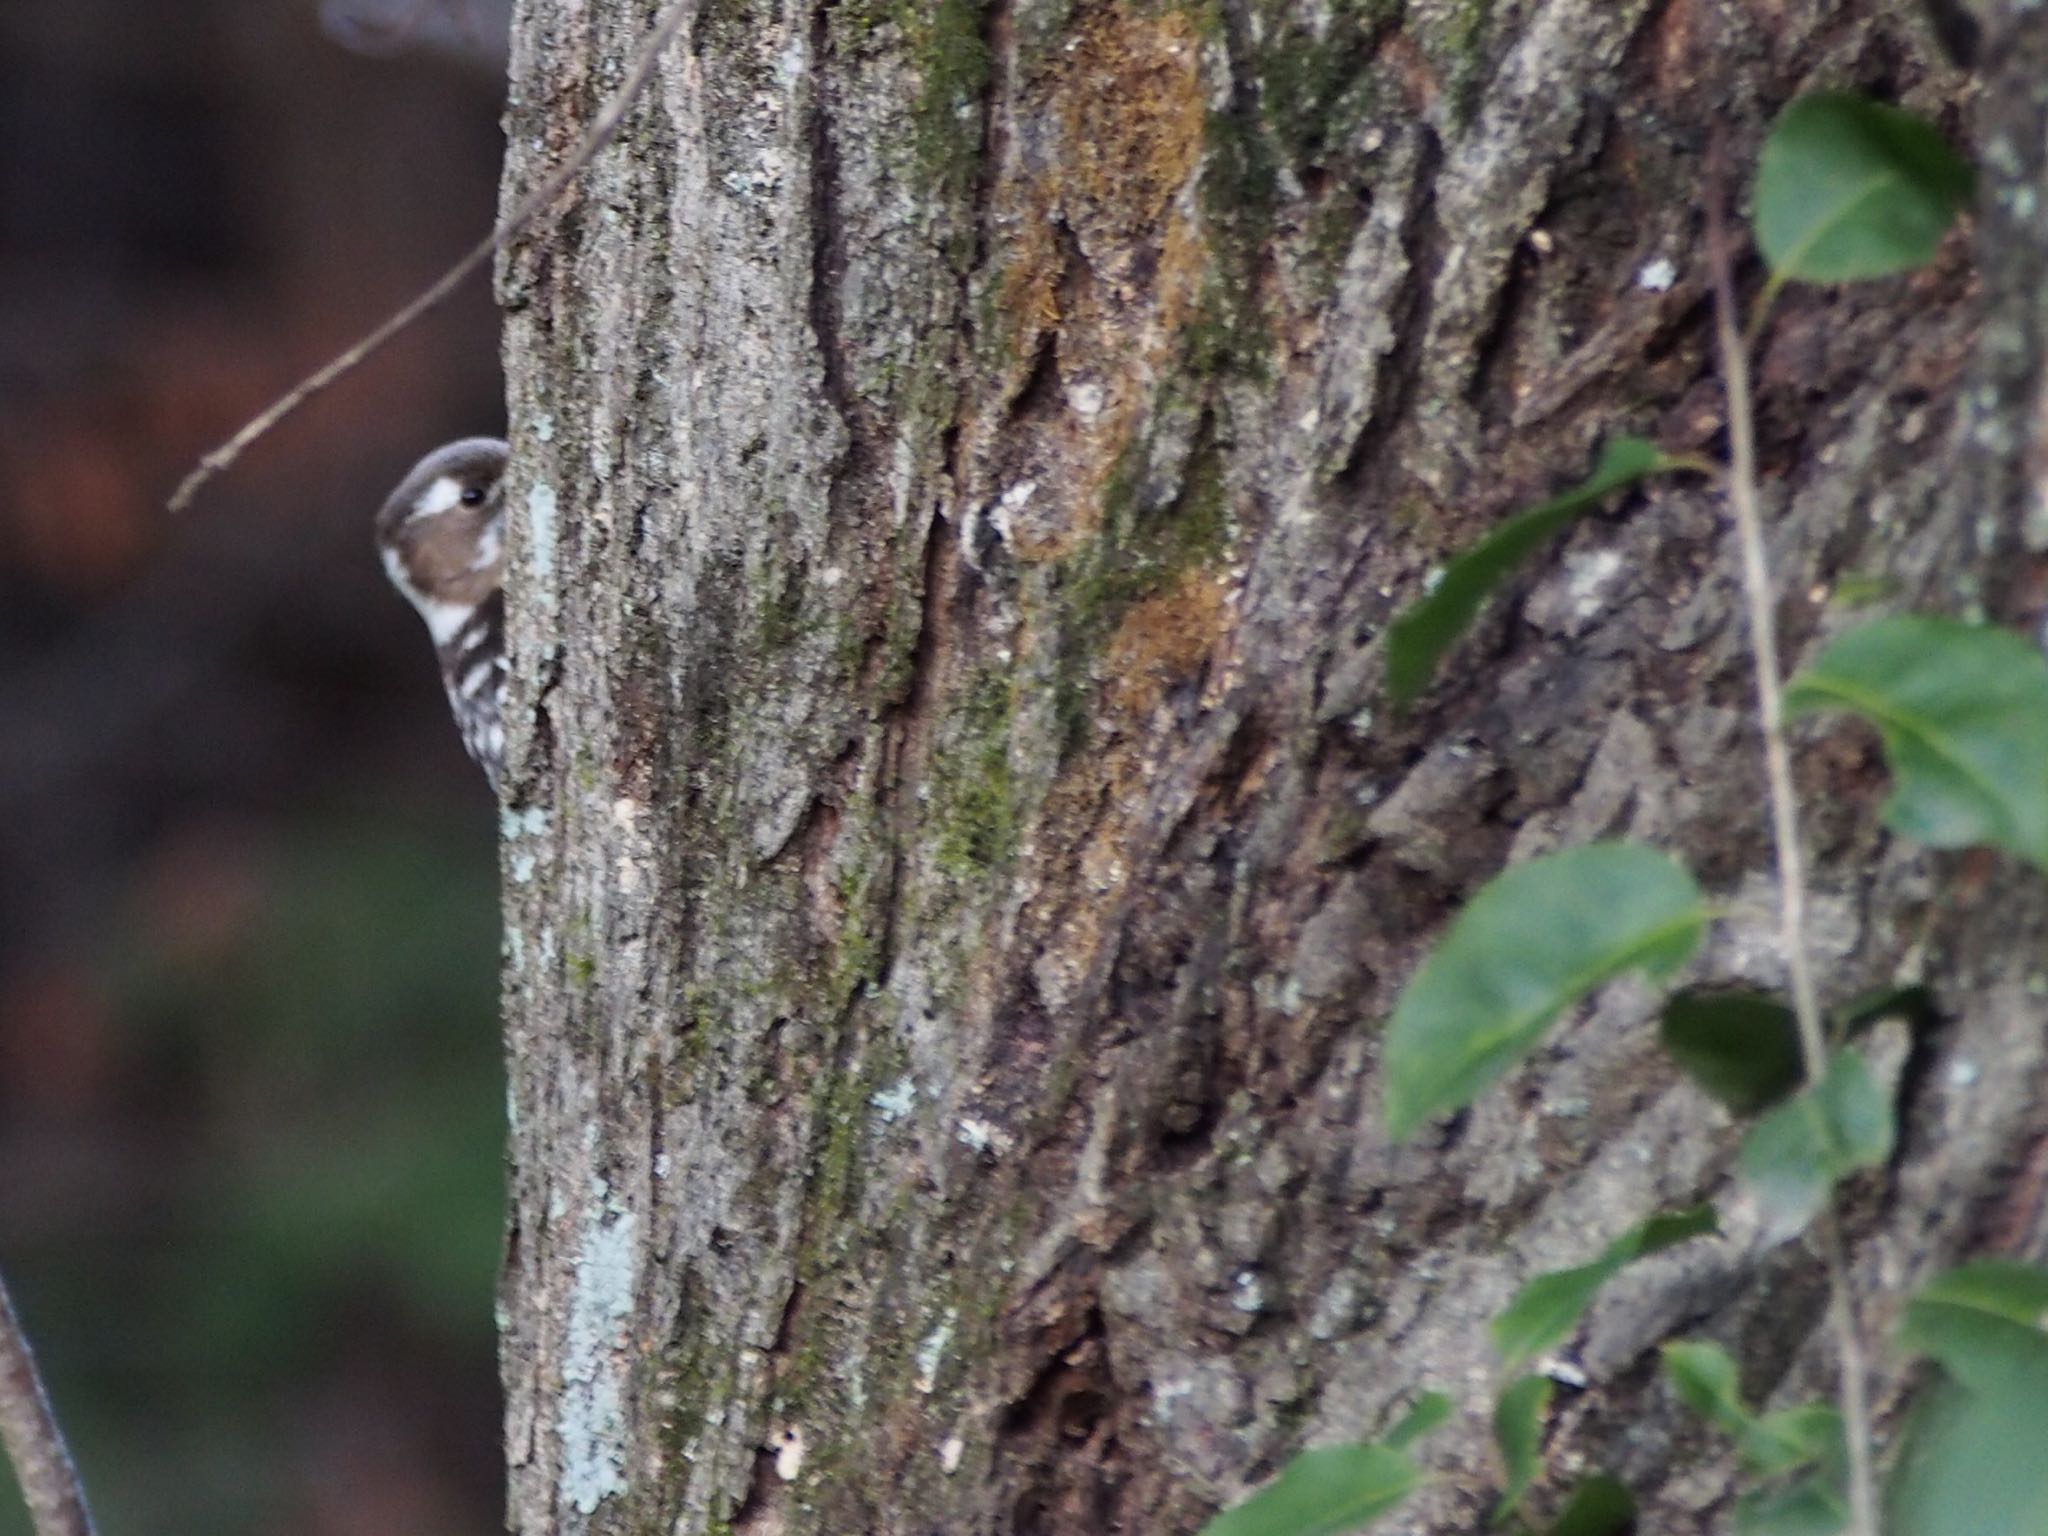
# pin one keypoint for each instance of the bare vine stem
(1757, 591)
(35, 1445)
(536, 202)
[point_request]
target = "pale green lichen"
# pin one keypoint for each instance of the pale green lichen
(531, 822)
(591, 1419)
(541, 536)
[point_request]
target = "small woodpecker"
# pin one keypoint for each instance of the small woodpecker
(442, 537)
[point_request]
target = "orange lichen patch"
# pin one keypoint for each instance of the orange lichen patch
(1093, 812)
(1675, 51)
(1419, 83)
(1162, 640)
(1102, 268)
(1130, 104)
(1027, 294)
(1183, 261)
(1087, 823)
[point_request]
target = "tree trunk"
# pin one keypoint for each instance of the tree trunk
(959, 852)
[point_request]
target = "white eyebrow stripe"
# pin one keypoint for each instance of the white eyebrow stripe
(444, 495)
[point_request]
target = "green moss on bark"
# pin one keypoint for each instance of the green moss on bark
(975, 787)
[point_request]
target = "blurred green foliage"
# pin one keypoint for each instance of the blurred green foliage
(320, 1104)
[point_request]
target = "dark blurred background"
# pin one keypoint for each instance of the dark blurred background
(250, 1102)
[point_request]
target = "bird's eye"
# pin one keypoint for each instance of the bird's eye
(473, 496)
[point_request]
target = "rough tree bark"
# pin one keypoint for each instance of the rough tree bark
(958, 851)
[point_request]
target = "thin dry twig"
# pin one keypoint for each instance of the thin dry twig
(35, 1445)
(1757, 590)
(536, 202)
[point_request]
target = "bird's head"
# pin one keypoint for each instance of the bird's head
(441, 533)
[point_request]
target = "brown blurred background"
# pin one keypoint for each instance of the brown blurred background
(250, 1106)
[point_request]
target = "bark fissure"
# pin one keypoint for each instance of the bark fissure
(1400, 371)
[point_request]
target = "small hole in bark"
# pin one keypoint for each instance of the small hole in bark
(1080, 1412)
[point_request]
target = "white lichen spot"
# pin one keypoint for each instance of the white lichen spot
(531, 822)
(1589, 577)
(1563, 1372)
(831, 576)
(522, 868)
(1166, 1397)
(515, 949)
(793, 61)
(1432, 579)
(1336, 1310)
(2034, 526)
(595, 1359)
(1249, 1292)
(541, 533)
(933, 1350)
(950, 1452)
(1086, 399)
(1962, 1073)
(977, 1134)
(544, 428)
(660, 1165)
(789, 1453)
(1010, 502)
(895, 1101)
(625, 812)
(1657, 276)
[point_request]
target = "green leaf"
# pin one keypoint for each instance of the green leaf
(1851, 188)
(1793, 1438)
(1777, 1443)
(1911, 1004)
(1548, 1308)
(1793, 1157)
(1813, 1506)
(2018, 1292)
(1417, 639)
(1704, 1377)
(1518, 1431)
(1428, 1412)
(1963, 712)
(1972, 1463)
(1972, 1458)
(1742, 1048)
(1984, 1322)
(1535, 940)
(1599, 1506)
(1324, 1492)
